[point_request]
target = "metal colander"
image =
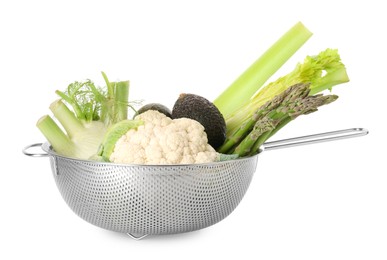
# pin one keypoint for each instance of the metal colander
(160, 199)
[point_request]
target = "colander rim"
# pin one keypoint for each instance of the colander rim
(48, 149)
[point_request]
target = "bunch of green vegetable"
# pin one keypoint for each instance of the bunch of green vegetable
(236, 124)
(271, 117)
(253, 114)
(94, 110)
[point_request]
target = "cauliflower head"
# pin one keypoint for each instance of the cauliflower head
(162, 140)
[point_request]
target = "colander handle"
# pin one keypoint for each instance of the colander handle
(315, 138)
(25, 150)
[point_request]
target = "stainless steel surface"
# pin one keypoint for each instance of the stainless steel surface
(315, 138)
(28, 147)
(143, 200)
(136, 237)
(151, 199)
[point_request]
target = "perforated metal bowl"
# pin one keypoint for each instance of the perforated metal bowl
(160, 199)
(151, 199)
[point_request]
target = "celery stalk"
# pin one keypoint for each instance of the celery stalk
(310, 71)
(244, 87)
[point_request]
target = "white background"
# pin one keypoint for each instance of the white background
(325, 201)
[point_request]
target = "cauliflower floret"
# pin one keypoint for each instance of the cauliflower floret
(162, 140)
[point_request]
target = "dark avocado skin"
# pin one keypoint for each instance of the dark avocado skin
(155, 106)
(205, 112)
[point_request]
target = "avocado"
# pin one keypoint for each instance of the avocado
(205, 112)
(155, 106)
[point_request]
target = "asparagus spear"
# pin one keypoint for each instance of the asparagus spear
(250, 146)
(322, 71)
(248, 125)
(262, 126)
(310, 105)
(294, 101)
